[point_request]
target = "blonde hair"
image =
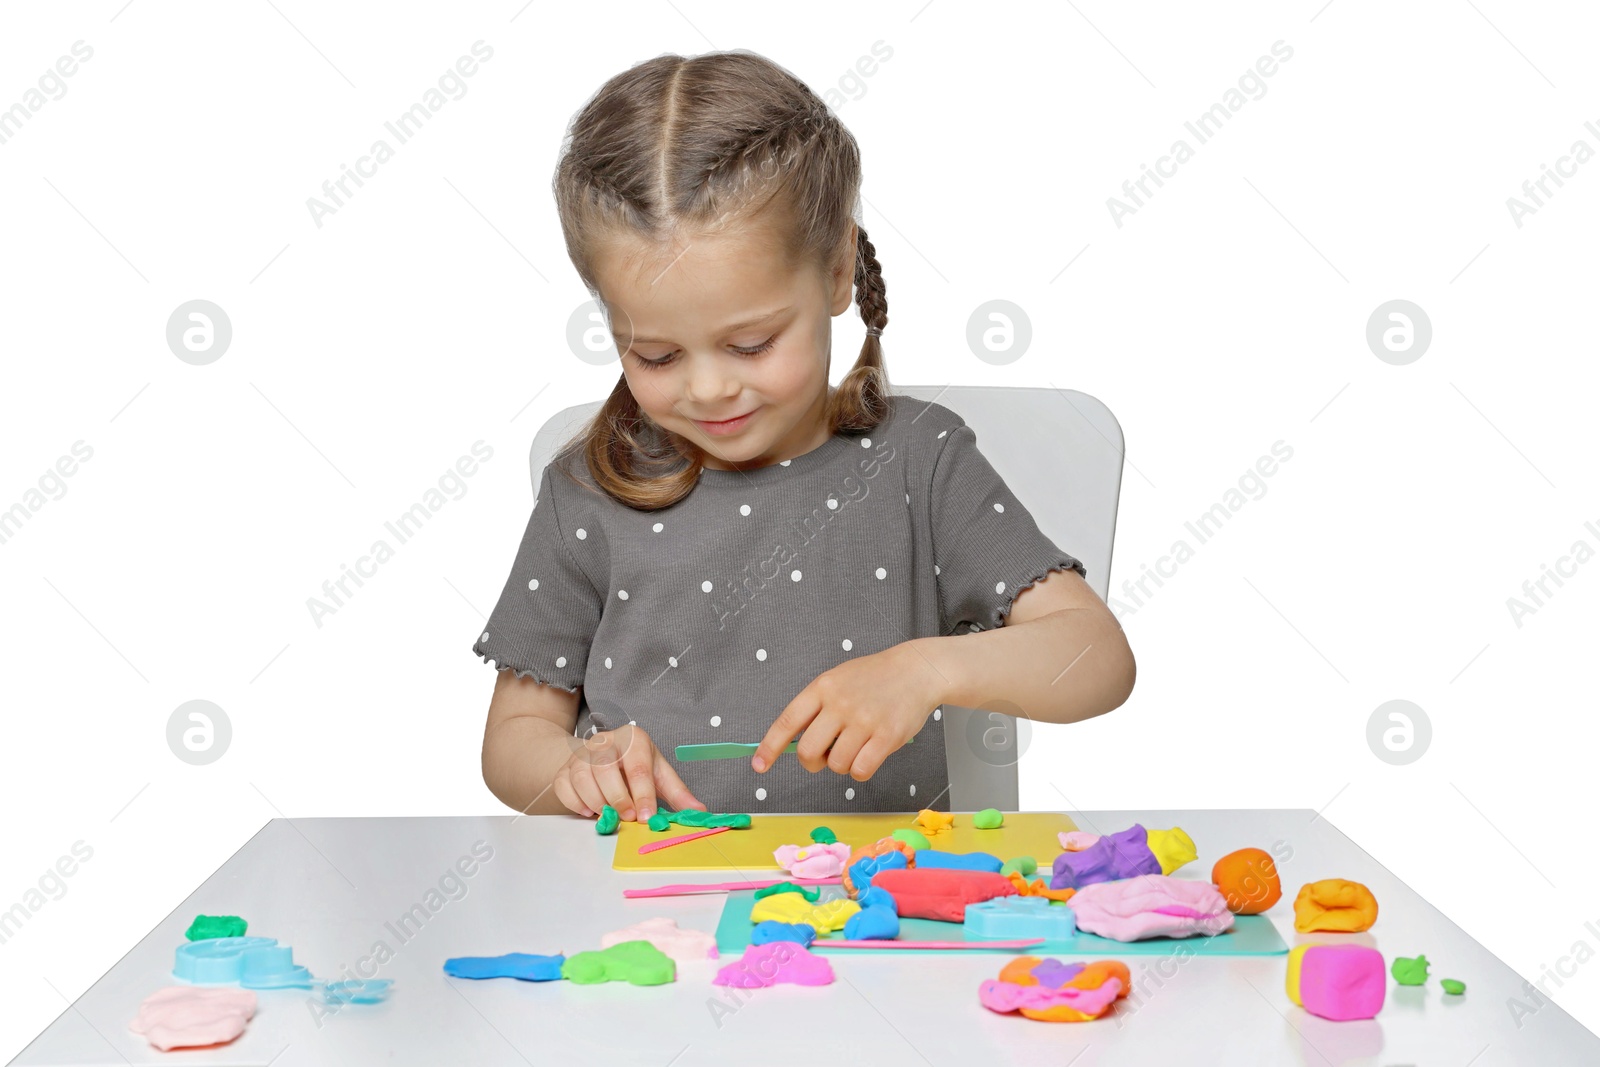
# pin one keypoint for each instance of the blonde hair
(700, 144)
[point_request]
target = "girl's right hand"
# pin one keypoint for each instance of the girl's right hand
(623, 768)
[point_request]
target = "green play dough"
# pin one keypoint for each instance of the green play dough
(1409, 971)
(1452, 986)
(607, 823)
(824, 836)
(705, 820)
(789, 887)
(988, 819)
(912, 838)
(638, 962)
(659, 822)
(206, 926)
(1023, 865)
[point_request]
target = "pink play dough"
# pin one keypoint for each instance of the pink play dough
(819, 861)
(683, 946)
(772, 963)
(1151, 905)
(1008, 996)
(183, 1016)
(1076, 840)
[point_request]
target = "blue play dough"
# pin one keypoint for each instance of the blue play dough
(875, 896)
(930, 858)
(878, 923)
(773, 930)
(1004, 918)
(357, 991)
(511, 965)
(862, 870)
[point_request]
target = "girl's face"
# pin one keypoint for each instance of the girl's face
(724, 343)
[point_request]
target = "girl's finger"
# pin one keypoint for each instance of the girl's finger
(796, 716)
(638, 767)
(582, 778)
(867, 761)
(812, 750)
(670, 786)
(614, 788)
(843, 755)
(568, 796)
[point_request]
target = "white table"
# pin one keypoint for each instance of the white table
(334, 888)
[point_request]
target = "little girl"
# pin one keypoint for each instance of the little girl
(733, 551)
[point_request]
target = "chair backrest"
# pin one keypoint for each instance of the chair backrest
(1060, 451)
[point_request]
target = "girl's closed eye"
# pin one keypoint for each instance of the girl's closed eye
(664, 360)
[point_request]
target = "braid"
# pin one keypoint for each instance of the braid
(871, 293)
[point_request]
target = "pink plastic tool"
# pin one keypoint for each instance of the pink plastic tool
(1027, 942)
(688, 888)
(670, 841)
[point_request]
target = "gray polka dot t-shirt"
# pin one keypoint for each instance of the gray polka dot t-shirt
(701, 621)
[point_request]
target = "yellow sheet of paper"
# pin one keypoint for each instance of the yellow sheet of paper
(1028, 833)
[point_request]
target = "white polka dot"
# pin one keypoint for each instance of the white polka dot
(533, 583)
(622, 594)
(656, 527)
(847, 645)
(716, 720)
(672, 660)
(761, 653)
(785, 462)
(608, 663)
(744, 509)
(794, 576)
(485, 636)
(761, 794)
(705, 587)
(914, 790)
(850, 794)
(582, 533)
(943, 432)
(866, 442)
(999, 587)
(936, 568)
(938, 713)
(833, 504)
(881, 573)
(999, 506)
(561, 661)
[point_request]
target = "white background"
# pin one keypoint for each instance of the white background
(430, 312)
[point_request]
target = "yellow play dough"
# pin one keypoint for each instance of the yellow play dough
(1291, 983)
(783, 908)
(1172, 848)
(794, 908)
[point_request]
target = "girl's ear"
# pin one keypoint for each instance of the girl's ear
(844, 274)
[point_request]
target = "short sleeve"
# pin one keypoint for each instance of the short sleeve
(986, 546)
(548, 611)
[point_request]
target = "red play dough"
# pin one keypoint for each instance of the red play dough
(941, 893)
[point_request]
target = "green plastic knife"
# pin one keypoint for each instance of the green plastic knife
(723, 750)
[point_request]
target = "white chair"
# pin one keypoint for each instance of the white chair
(1060, 451)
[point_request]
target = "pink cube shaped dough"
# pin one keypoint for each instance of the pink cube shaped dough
(1342, 982)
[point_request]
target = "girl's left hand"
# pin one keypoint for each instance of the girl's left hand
(856, 714)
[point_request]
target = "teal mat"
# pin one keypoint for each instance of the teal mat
(1252, 935)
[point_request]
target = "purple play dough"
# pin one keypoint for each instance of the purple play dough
(1113, 857)
(1053, 974)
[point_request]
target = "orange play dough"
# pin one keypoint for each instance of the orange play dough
(877, 848)
(1093, 976)
(1037, 888)
(1336, 906)
(1248, 880)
